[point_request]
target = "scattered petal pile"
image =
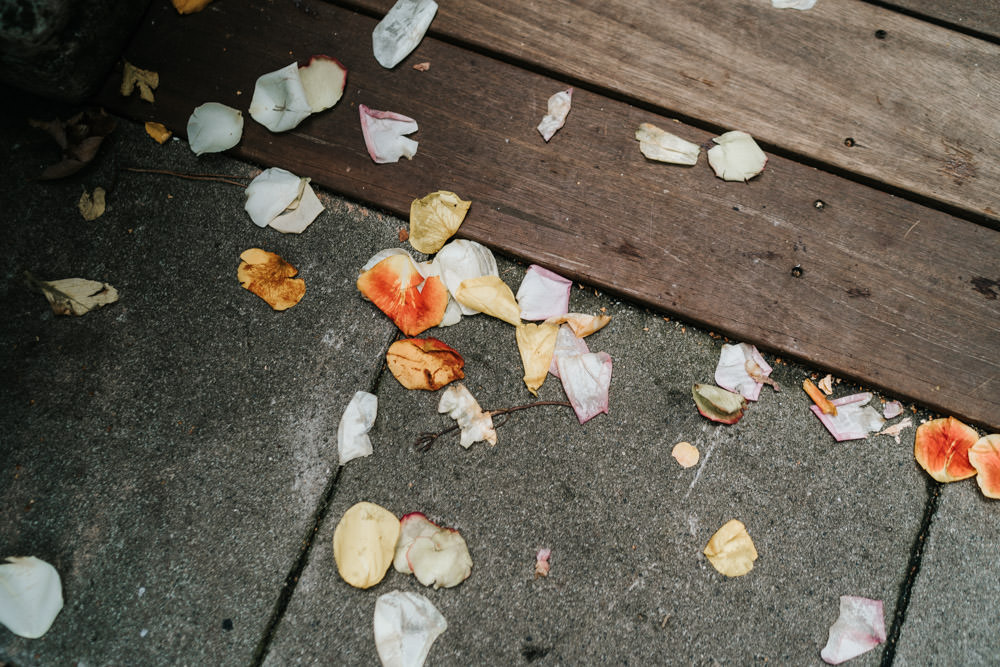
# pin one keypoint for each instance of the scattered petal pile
(730, 550)
(558, 108)
(424, 363)
(401, 30)
(271, 278)
(657, 144)
(405, 625)
(458, 402)
(859, 628)
(352, 431)
(364, 543)
(30, 596)
(384, 133)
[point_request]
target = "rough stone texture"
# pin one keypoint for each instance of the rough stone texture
(62, 49)
(167, 453)
(626, 524)
(952, 615)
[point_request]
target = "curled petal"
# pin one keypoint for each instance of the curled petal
(537, 344)
(543, 294)
(434, 219)
(352, 431)
(984, 456)
(384, 135)
(460, 260)
(859, 628)
(213, 128)
(854, 419)
(581, 324)
(558, 108)
(731, 372)
(461, 406)
(731, 551)
(657, 144)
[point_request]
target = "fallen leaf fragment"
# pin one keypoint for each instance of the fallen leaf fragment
(582, 325)
(158, 131)
(145, 80)
(686, 454)
(364, 542)
(279, 100)
(897, 428)
(543, 294)
(984, 456)
(854, 419)
(282, 200)
(567, 342)
(440, 559)
(558, 108)
(323, 79)
(536, 344)
(405, 626)
(793, 4)
(214, 127)
(825, 406)
(79, 137)
(657, 144)
(74, 296)
(92, 205)
(892, 409)
(736, 157)
(457, 401)
(271, 278)
(424, 363)
(859, 628)
(826, 384)
(733, 370)
(397, 288)
(30, 596)
(491, 295)
(352, 431)
(941, 447)
(730, 550)
(384, 135)
(189, 6)
(542, 564)
(460, 260)
(586, 379)
(401, 30)
(434, 219)
(719, 405)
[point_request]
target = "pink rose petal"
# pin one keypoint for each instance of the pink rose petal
(859, 628)
(567, 342)
(384, 132)
(585, 379)
(543, 294)
(854, 420)
(731, 372)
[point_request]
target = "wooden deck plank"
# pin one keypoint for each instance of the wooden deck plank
(892, 293)
(919, 107)
(981, 16)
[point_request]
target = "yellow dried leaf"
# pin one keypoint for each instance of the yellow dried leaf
(731, 551)
(158, 131)
(92, 205)
(537, 344)
(434, 219)
(189, 6)
(582, 325)
(686, 454)
(271, 278)
(145, 80)
(490, 295)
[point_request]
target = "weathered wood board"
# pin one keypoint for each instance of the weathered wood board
(849, 84)
(891, 293)
(980, 16)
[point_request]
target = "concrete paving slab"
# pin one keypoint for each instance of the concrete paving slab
(626, 524)
(952, 615)
(167, 453)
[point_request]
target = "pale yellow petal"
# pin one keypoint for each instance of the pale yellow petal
(686, 454)
(581, 324)
(537, 344)
(434, 219)
(490, 295)
(731, 551)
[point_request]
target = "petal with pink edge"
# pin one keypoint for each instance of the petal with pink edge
(585, 379)
(859, 629)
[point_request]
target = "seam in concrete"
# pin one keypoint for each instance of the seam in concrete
(912, 571)
(319, 516)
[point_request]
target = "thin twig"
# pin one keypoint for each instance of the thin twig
(219, 178)
(426, 439)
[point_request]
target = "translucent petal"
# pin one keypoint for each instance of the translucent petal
(357, 420)
(543, 294)
(279, 101)
(405, 625)
(213, 128)
(586, 379)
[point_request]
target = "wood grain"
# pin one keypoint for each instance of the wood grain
(891, 293)
(981, 16)
(919, 107)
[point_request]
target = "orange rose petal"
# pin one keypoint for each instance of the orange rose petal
(984, 456)
(686, 454)
(941, 447)
(394, 286)
(424, 363)
(271, 278)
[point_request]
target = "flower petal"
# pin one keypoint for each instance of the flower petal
(405, 625)
(460, 260)
(401, 30)
(271, 278)
(730, 550)
(854, 419)
(434, 219)
(279, 101)
(657, 144)
(537, 344)
(567, 342)
(213, 128)
(558, 108)
(383, 132)
(352, 431)
(586, 379)
(731, 371)
(543, 294)
(859, 628)
(426, 364)
(737, 157)
(30, 596)
(461, 406)
(270, 193)
(490, 295)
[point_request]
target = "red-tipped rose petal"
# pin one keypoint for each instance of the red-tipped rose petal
(941, 447)
(984, 456)
(394, 286)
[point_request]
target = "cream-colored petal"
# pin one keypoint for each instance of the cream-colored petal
(434, 219)
(490, 295)
(537, 344)
(731, 551)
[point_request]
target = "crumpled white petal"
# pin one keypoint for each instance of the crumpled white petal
(279, 101)
(401, 30)
(461, 406)
(283, 200)
(543, 294)
(558, 108)
(388, 252)
(213, 128)
(731, 372)
(406, 625)
(357, 420)
(859, 628)
(736, 157)
(892, 409)
(383, 132)
(461, 260)
(585, 379)
(657, 144)
(854, 419)
(30, 596)
(567, 343)
(793, 4)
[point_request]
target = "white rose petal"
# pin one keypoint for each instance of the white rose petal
(401, 30)
(357, 420)
(406, 625)
(30, 596)
(279, 101)
(213, 128)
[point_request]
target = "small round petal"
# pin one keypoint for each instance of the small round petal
(686, 454)
(214, 127)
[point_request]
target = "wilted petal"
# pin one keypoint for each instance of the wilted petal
(558, 108)
(397, 287)
(586, 379)
(271, 278)
(406, 625)
(656, 144)
(490, 295)
(383, 132)
(730, 550)
(859, 628)
(424, 363)
(581, 324)
(567, 342)
(213, 128)
(30, 596)
(401, 30)
(461, 260)
(737, 157)
(435, 218)
(537, 344)
(543, 294)
(461, 406)
(731, 371)
(357, 420)
(75, 296)
(279, 100)
(854, 419)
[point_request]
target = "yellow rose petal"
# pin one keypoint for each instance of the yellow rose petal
(490, 295)
(434, 219)
(731, 551)
(537, 344)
